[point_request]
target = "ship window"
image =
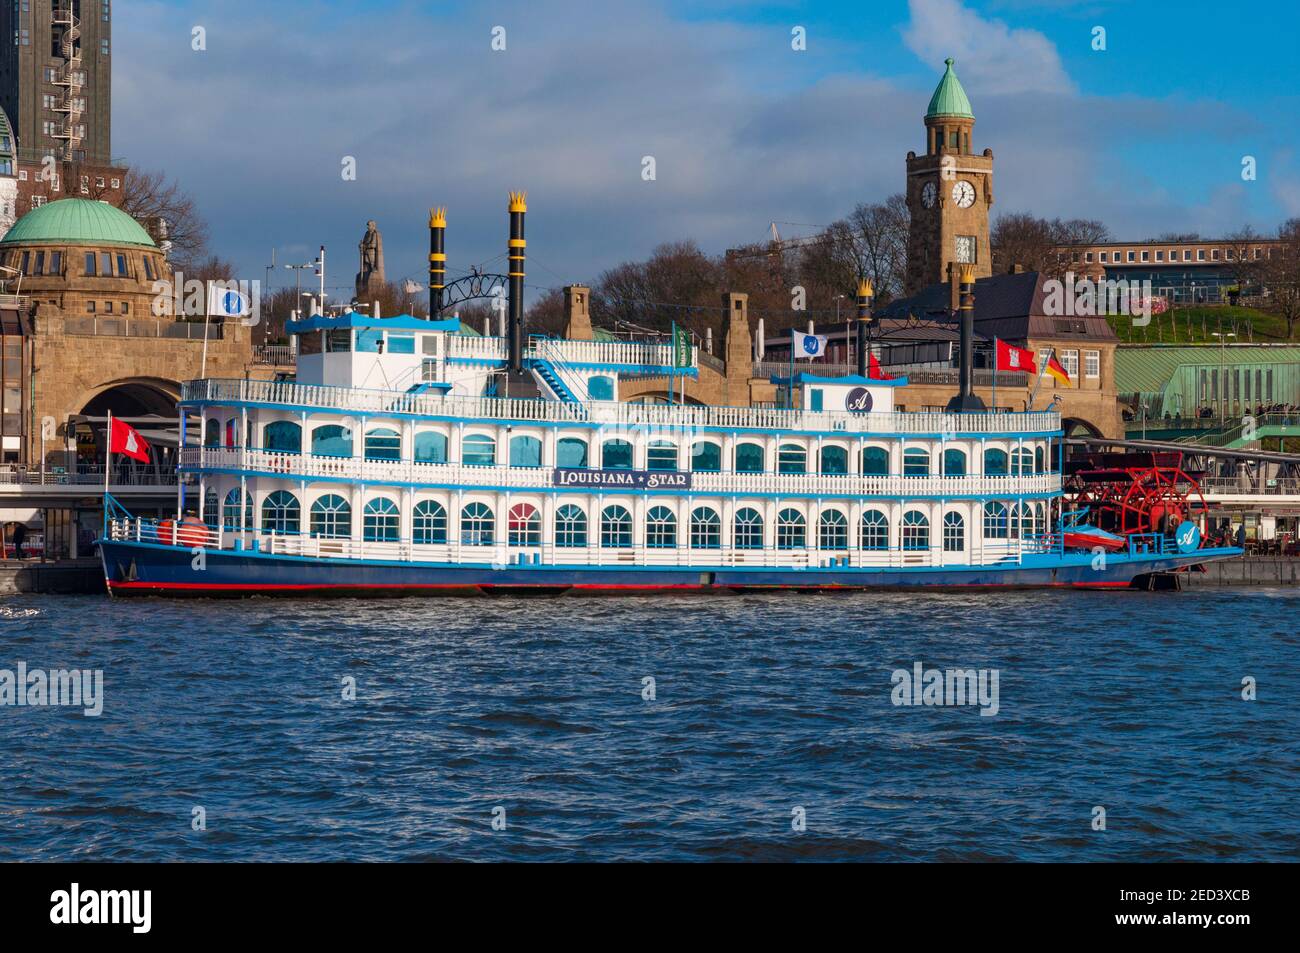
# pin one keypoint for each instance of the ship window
(281, 513)
(339, 339)
(401, 342)
(748, 529)
(706, 528)
(230, 512)
(875, 530)
(1022, 461)
(661, 455)
(381, 521)
(572, 453)
(954, 462)
(706, 457)
(1039, 460)
(791, 530)
(524, 525)
(429, 523)
(616, 455)
(477, 525)
(916, 462)
(570, 525)
(212, 436)
(995, 521)
(332, 440)
(1021, 518)
(875, 461)
(615, 528)
(815, 401)
(525, 452)
(282, 436)
(749, 458)
(833, 530)
(600, 388)
(478, 450)
(383, 444)
(331, 517)
(835, 460)
(916, 531)
(792, 458)
(370, 340)
(430, 447)
(954, 533)
(995, 463)
(661, 528)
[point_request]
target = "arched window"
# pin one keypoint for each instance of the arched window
(430, 447)
(875, 530)
(706, 457)
(748, 529)
(792, 458)
(600, 388)
(331, 517)
(478, 450)
(954, 462)
(615, 527)
(477, 525)
(995, 462)
(1040, 518)
(212, 434)
(791, 530)
(212, 510)
(661, 455)
(1022, 461)
(570, 526)
(660, 528)
(571, 452)
(524, 525)
(232, 431)
(749, 458)
(525, 452)
(429, 523)
(1021, 518)
(383, 443)
(281, 513)
(916, 462)
(230, 511)
(833, 530)
(995, 520)
(916, 531)
(616, 455)
(834, 460)
(875, 461)
(1040, 458)
(706, 528)
(331, 440)
(282, 436)
(381, 522)
(954, 533)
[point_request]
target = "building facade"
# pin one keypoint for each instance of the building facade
(1185, 272)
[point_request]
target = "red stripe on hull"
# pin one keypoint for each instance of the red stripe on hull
(586, 587)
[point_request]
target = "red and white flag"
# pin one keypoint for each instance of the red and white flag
(1012, 358)
(127, 441)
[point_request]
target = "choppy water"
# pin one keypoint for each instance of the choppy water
(764, 704)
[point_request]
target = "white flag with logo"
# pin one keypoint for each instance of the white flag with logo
(227, 302)
(808, 345)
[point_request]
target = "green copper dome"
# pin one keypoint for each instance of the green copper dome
(78, 222)
(949, 98)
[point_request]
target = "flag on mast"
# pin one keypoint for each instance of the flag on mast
(126, 440)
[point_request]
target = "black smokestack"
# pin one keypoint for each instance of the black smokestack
(965, 401)
(864, 319)
(437, 259)
(518, 207)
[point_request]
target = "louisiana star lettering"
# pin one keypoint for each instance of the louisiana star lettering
(622, 479)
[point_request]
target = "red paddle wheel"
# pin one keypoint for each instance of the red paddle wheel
(1129, 493)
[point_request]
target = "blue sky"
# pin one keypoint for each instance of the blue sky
(1147, 135)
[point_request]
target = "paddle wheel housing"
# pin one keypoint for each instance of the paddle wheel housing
(1127, 493)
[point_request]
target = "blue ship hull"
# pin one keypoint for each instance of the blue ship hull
(138, 568)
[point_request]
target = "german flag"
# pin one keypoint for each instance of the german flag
(1056, 370)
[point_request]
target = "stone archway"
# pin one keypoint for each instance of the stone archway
(150, 403)
(1078, 427)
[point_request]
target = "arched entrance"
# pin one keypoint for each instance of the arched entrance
(148, 404)
(1076, 427)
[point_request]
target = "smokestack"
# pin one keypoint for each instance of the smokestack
(437, 259)
(518, 207)
(864, 319)
(966, 401)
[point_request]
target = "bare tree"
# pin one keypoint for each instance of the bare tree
(151, 198)
(1279, 273)
(1039, 244)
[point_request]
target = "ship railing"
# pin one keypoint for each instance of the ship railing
(379, 403)
(541, 479)
(165, 532)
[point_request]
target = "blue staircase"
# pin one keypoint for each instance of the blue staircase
(547, 372)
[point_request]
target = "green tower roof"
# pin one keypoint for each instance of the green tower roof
(78, 222)
(949, 98)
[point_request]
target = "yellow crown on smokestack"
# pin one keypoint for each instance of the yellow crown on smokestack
(519, 201)
(864, 288)
(438, 217)
(968, 274)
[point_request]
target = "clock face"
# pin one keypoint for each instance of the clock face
(963, 193)
(928, 194)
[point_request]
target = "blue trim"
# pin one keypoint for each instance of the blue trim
(355, 319)
(849, 379)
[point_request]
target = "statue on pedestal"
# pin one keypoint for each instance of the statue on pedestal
(370, 280)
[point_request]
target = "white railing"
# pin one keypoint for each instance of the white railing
(501, 556)
(608, 352)
(466, 346)
(346, 401)
(308, 467)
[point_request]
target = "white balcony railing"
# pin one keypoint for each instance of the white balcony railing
(379, 403)
(612, 353)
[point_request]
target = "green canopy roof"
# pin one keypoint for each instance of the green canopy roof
(949, 98)
(78, 222)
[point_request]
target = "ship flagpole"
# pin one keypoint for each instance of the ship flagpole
(108, 465)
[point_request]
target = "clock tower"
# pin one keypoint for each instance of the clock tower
(949, 191)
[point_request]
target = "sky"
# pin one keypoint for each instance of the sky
(1147, 135)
